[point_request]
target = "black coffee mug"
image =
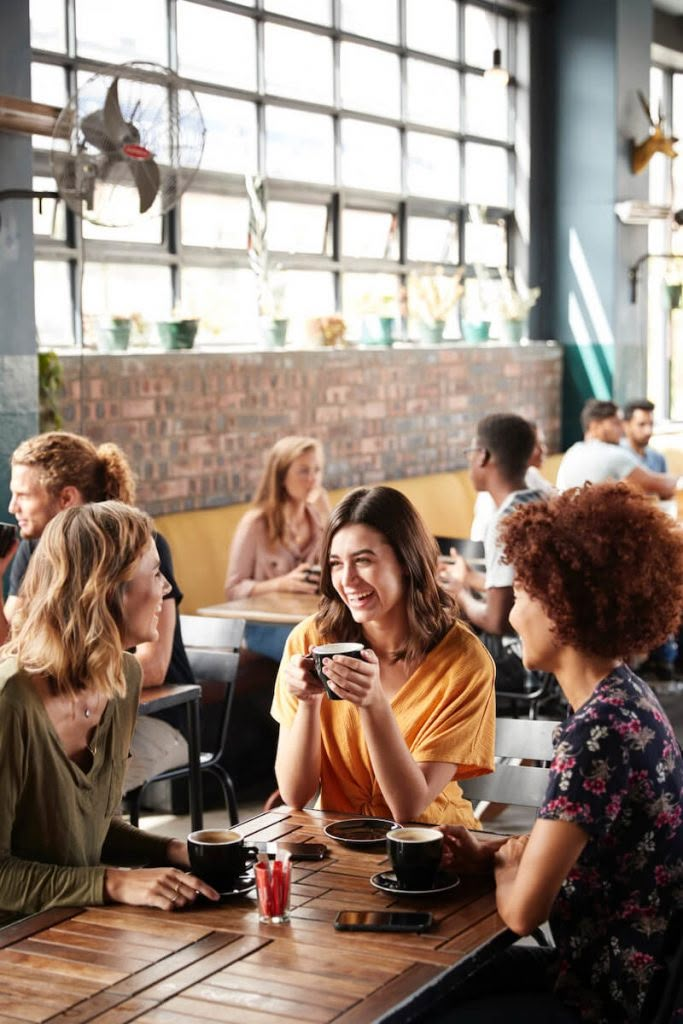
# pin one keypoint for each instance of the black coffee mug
(219, 856)
(415, 855)
(349, 650)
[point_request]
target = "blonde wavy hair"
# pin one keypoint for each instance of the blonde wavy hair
(69, 460)
(70, 623)
(271, 494)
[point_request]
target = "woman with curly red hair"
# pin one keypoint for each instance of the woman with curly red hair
(598, 577)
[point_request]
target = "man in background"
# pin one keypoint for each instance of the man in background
(638, 427)
(600, 456)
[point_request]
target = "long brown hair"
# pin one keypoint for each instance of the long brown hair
(430, 610)
(70, 622)
(271, 494)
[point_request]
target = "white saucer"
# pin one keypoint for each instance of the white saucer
(387, 882)
(360, 831)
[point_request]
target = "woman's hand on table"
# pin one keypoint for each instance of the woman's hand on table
(356, 679)
(467, 853)
(166, 888)
(297, 581)
(302, 681)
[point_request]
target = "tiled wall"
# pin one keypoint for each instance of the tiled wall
(196, 424)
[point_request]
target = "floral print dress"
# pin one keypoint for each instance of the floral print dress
(618, 774)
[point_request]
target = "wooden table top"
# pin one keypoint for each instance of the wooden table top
(271, 607)
(116, 964)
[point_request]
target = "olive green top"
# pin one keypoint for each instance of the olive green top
(57, 824)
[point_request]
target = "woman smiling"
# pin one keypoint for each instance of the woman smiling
(417, 710)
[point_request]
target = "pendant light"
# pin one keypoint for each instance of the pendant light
(497, 73)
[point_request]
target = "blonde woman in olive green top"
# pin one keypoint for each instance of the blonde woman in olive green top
(68, 702)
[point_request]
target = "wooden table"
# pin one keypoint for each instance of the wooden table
(159, 698)
(117, 964)
(271, 607)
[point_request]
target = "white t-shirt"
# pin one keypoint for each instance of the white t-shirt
(499, 573)
(485, 506)
(594, 461)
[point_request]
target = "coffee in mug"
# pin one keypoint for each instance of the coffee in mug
(219, 856)
(415, 855)
(349, 650)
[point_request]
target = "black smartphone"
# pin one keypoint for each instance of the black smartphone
(304, 851)
(8, 534)
(383, 921)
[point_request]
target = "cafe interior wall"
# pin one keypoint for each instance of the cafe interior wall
(18, 364)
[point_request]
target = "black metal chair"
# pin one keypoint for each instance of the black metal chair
(213, 650)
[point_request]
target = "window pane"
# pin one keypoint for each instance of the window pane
(486, 175)
(433, 94)
(119, 204)
(230, 140)
(307, 294)
(370, 80)
(377, 20)
(295, 60)
(482, 36)
(227, 302)
(297, 227)
(487, 244)
(487, 108)
(433, 166)
(54, 322)
(120, 289)
(307, 10)
(49, 221)
(214, 220)
(216, 46)
(122, 31)
(48, 25)
(299, 145)
(371, 156)
(48, 85)
(365, 299)
(432, 240)
(370, 235)
(432, 26)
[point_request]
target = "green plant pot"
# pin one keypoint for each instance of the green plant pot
(432, 334)
(275, 333)
(512, 331)
(474, 331)
(672, 295)
(115, 337)
(378, 330)
(175, 334)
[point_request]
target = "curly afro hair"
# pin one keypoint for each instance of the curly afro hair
(606, 565)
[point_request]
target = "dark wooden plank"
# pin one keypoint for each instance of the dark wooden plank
(27, 926)
(388, 996)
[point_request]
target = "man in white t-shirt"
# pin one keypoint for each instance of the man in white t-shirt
(600, 456)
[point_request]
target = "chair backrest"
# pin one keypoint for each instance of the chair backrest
(213, 650)
(512, 782)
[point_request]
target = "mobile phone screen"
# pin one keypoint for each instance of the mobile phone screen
(304, 851)
(382, 921)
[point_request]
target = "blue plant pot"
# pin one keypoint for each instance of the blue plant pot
(115, 338)
(475, 331)
(432, 334)
(512, 331)
(275, 333)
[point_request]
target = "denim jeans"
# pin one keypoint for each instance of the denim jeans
(267, 640)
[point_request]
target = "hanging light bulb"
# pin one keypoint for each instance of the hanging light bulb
(497, 74)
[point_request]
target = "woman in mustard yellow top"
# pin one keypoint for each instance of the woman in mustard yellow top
(417, 712)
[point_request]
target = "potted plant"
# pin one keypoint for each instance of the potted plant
(477, 306)
(379, 312)
(179, 331)
(513, 307)
(270, 288)
(327, 331)
(431, 298)
(114, 334)
(673, 284)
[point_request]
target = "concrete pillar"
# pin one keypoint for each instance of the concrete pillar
(18, 360)
(590, 58)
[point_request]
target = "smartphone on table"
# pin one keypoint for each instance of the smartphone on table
(297, 851)
(383, 921)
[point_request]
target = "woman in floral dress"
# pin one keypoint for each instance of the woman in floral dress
(599, 577)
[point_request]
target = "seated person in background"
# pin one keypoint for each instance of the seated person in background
(277, 543)
(601, 457)
(59, 470)
(604, 860)
(499, 457)
(485, 506)
(417, 712)
(638, 425)
(68, 704)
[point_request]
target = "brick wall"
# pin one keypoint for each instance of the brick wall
(196, 424)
